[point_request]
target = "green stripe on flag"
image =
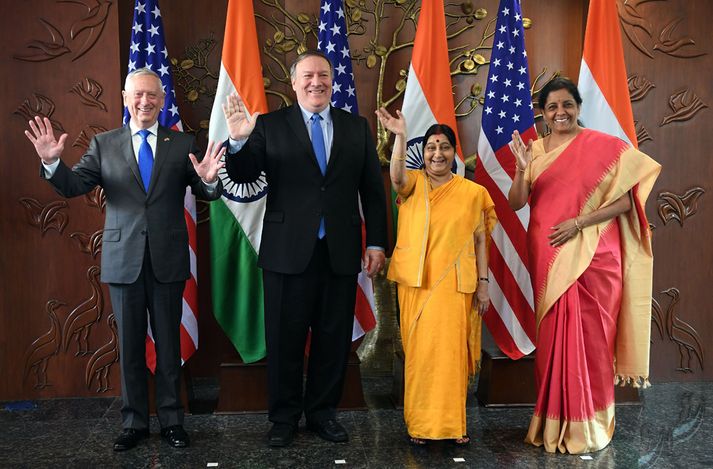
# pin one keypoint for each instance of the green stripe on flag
(236, 284)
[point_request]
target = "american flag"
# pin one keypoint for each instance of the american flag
(148, 49)
(507, 107)
(332, 40)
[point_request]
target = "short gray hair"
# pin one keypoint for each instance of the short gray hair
(139, 72)
(307, 54)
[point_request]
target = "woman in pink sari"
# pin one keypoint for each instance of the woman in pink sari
(591, 266)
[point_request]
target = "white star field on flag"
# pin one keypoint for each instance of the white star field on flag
(148, 49)
(508, 104)
(332, 40)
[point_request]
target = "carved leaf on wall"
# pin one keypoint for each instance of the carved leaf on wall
(684, 104)
(90, 244)
(44, 347)
(639, 87)
(46, 217)
(99, 365)
(679, 207)
(92, 22)
(80, 321)
(40, 51)
(96, 198)
(642, 134)
(43, 107)
(89, 91)
(676, 47)
(85, 136)
(633, 24)
(682, 334)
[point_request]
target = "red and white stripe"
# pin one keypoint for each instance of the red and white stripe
(511, 317)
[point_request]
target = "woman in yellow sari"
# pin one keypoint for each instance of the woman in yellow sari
(591, 268)
(441, 268)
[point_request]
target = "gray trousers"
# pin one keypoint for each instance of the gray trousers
(163, 301)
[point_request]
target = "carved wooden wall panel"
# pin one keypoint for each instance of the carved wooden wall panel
(69, 63)
(669, 60)
(61, 63)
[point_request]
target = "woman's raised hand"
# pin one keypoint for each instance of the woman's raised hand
(522, 152)
(395, 125)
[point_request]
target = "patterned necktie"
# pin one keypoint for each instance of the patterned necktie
(145, 158)
(321, 154)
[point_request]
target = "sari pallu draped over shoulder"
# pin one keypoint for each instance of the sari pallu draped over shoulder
(594, 171)
(602, 274)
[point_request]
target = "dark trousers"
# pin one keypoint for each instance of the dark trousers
(316, 300)
(164, 304)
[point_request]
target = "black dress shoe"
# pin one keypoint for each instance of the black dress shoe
(129, 438)
(281, 434)
(329, 430)
(176, 436)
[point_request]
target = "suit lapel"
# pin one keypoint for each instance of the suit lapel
(163, 145)
(297, 123)
(337, 132)
(127, 149)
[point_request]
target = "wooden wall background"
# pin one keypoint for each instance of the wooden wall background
(67, 61)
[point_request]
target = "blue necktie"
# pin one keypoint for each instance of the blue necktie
(145, 158)
(321, 154)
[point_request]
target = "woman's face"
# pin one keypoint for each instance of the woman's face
(438, 155)
(561, 112)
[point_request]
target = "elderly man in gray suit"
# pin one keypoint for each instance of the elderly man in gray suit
(145, 255)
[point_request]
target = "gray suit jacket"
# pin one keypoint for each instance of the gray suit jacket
(133, 216)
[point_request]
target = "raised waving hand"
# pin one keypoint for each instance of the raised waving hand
(240, 122)
(48, 148)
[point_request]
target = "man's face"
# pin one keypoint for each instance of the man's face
(313, 83)
(143, 97)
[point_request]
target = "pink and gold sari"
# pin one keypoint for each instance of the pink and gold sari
(593, 294)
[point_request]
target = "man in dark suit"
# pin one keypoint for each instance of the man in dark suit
(145, 256)
(319, 162)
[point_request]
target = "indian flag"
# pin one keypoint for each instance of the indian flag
(428, 98)
(602, 76)
(236, 219)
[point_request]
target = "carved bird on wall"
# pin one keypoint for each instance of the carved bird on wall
(44, 347)
(87, 313)
(100, 363)
(45, 50)
(93, 22)
(89, 91)
(682, 334)
(675, 46)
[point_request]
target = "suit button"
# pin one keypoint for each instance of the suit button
(323, 188)
(143, 232)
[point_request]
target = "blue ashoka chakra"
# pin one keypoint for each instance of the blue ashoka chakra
(243, 191)
(414, 153)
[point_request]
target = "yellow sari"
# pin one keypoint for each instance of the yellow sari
(435, 267)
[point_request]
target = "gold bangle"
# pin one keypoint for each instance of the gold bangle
(399, 158)
(522, 170)
(577, 225)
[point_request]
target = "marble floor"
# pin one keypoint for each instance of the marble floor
(673, 427)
